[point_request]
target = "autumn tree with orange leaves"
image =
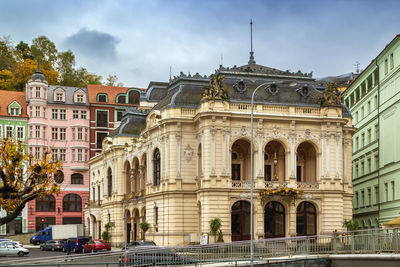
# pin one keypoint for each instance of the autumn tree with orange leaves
(23, 178)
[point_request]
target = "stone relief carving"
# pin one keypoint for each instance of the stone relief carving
(188, 153)
(243, 131)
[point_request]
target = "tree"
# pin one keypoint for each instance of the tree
(7, 59)
(144, 226)
(106, 234)
(44, 50)
(23, 51)
(6, 80)
(111, 80)
(215, 225)
(65, 67)
(23, 178)
(24, 70)
(351, 225)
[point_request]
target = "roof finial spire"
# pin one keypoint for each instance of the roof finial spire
(251, 60)
(38, 68)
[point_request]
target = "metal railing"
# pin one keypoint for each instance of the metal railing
(356, 242)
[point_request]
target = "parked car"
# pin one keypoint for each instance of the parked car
(96, 245)
(76, 243)
(16, 243)
(140, 243)
(153, 256)
(8, 248)
(6, 240)
(52, 245)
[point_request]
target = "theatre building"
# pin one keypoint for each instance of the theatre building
(187, 160)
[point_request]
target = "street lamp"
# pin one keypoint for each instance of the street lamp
(290, 83)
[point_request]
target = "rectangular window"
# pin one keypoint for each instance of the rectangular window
(44, 132)
(20, 132)
(80, 135)
(356, 197)
(37, 91)
(54, 154)
(79, 154)
(369, 197)
(9, 131)
(63, 134)
(86, 134)
(102, 118)
(393, 191)
(356, 170)
(54, 114)
(386, 66)
(54, 133)
(30, 132)
(79, 98)
(376, 132)
(75, 114)
(376, 194)
(376, 101)
(369, 165)
(73, 154)
(362, 168)
(369, 135)
(37, 131)
(362, 198)
(37, 153)
(391, 61)
(59, 96)
(62, 155)
(63, 114)
(44, 112)
(386, 192)
(30, 151)
(362, 112)
(37, 111)
(73, 133)
(369, 107)
(362, 140)
(119, 115)
(376, 162)
(30, 111)
(99, 139)
(357, 147)
(83, 114)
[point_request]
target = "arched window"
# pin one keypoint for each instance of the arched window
(59, 177)
(72, 203)
(46, 204)
(102, 98)
(109, 181)
(274, 220)
(306, 219)
(121, 99)
(157, 167)
(76, 178)
(133, 97)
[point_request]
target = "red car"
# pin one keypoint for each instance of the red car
(96, 245)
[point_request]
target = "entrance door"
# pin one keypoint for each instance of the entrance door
(274, 220)
(240, 221)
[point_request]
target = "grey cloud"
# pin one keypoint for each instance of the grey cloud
(93, 44)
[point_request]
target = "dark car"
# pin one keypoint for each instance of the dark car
(76, 244)
(140, 243)
(52, 245)
(153, 256)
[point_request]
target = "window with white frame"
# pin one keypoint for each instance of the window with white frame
(62, 154)
(83, 114)
(54, 114)
(73, 154)
(37, 91)
(59, 96)
(20, 132)
(54, 133)
(86, 134)
(37, 131)
(30, 151)
(30, 131)
(9, 131)
(79, 154)
(54, 154)
(79, 98)
(73, 133)
(30, 112)
(44, 132)
(75, 114)
(37, 111)
(80, 133)
(37, 152)
(391, 61)
(63, 114)
(63, 133)
(14, 111)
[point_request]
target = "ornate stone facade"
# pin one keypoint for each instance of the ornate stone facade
(191, 163)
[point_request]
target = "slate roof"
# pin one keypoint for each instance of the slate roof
(7, 97)
(69, 95)
(38, 75)
(156, 91)
(132, 124)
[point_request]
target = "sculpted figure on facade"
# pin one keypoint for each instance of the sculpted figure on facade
(215, 89)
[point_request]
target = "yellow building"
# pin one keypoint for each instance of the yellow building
(187, 160)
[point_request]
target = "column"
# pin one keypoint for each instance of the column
(178, 155)
(337, 137)
(345, 147)
(213, 132)
(166, 156)
(260, 153)
(224, 147)
(327, 155)
(292, 137)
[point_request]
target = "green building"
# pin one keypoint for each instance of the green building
(374, 102)
(13, 124)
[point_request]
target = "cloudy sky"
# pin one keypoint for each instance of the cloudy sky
(140, 40)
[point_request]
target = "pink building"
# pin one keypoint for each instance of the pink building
(59, 123)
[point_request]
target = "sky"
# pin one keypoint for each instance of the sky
(140, 41)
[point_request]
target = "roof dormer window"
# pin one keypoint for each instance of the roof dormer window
(102, 98)
(79, 98)
(59, 96)
(15, 111)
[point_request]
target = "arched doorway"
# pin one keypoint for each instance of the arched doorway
(306, 219)
(240, 220)
(240, 157)
(274, 220)
(274, 162)
(128, 226)
(306, 168)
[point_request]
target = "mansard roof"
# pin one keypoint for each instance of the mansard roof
(69, 95)
(132, 124)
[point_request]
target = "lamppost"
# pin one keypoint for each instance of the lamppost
(291, 83)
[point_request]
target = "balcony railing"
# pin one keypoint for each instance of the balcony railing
(241, 184)
(308, 185)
